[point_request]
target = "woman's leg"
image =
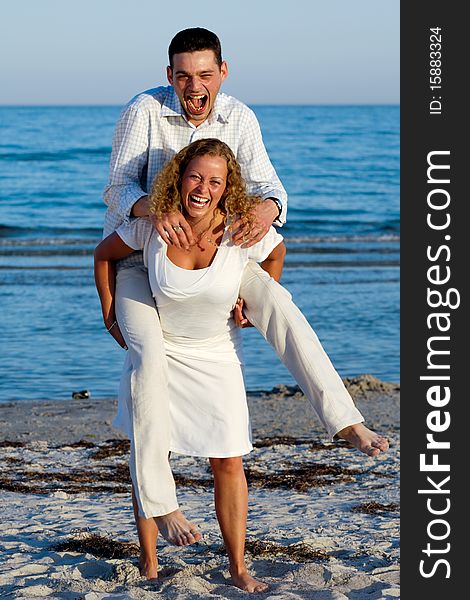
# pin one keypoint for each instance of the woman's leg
(231, 507)
(151, 474)
(147, 531)
(270, 308)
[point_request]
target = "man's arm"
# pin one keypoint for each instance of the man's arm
(125, 194)
(261, 180)
(128, 163)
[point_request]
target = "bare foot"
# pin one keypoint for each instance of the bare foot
(247, 583)
(364, 439)
(148, 568)
(177, 530)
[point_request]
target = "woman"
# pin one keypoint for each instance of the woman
(196, 291)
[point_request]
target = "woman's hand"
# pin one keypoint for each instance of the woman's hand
(174, 230)
(109, 250)
(113, 329)
(238, 316)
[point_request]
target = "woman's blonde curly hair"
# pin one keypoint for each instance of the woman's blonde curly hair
(165, 196)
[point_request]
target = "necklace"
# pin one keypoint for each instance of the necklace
(202, 234)
(211, 241)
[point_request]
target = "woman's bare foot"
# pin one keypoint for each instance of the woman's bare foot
(364, 439)
(148, 568)
(247, 583)
(177, 530)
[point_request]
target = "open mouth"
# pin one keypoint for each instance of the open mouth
(197, 103)
(198, 202)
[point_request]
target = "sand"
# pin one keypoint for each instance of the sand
(323, 520)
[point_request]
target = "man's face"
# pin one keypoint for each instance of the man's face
(196, 78)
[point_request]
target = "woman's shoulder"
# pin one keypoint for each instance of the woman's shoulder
(138, 232)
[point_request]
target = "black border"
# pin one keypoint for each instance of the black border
(421, 133)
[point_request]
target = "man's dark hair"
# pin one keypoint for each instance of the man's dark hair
(194, 40)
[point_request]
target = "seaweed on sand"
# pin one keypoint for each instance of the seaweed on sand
(372, 508)
(12, 444)
(111, 448)
(97, 545)
(287, 440)
(301, 478)
(299, 551)
(115, 479)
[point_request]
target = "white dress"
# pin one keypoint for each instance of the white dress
(208, 409)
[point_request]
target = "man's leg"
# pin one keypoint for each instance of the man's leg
(148, 406)
(270, 308)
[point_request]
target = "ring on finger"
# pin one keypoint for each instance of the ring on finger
(176, 227)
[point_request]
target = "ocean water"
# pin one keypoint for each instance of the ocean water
(340, 166)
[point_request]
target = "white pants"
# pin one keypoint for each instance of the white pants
(270, 308)
(144, 385)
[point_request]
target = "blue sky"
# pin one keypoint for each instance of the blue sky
(295, 52)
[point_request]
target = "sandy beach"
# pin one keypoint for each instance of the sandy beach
(323, 520)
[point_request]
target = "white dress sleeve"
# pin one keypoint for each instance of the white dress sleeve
(263, 248)
(136, 233)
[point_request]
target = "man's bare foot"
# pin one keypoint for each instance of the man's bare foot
(148, 568)
(364, 439)
(246, 582)
(177, 530)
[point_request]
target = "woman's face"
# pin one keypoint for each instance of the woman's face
(203, 185)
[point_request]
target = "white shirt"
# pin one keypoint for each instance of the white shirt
(195, 304)
(153, 128)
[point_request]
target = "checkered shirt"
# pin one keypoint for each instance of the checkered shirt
(152, 128)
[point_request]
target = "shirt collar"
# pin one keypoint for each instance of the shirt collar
(172, 108)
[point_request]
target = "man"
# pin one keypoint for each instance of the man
(152, 128)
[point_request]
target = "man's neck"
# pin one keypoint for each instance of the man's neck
(196, 122)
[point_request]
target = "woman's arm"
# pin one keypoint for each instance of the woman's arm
(274, 263)
(109, 250)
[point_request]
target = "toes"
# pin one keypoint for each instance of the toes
(177, 530)
(178, 539)
(249, 584)
(256, 588)
(383, 444)
(196, 534)
(380, 443)
(190, 539)
(183, 538)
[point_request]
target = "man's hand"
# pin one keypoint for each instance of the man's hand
(239, 317)
(265, 213)
(174, 230)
